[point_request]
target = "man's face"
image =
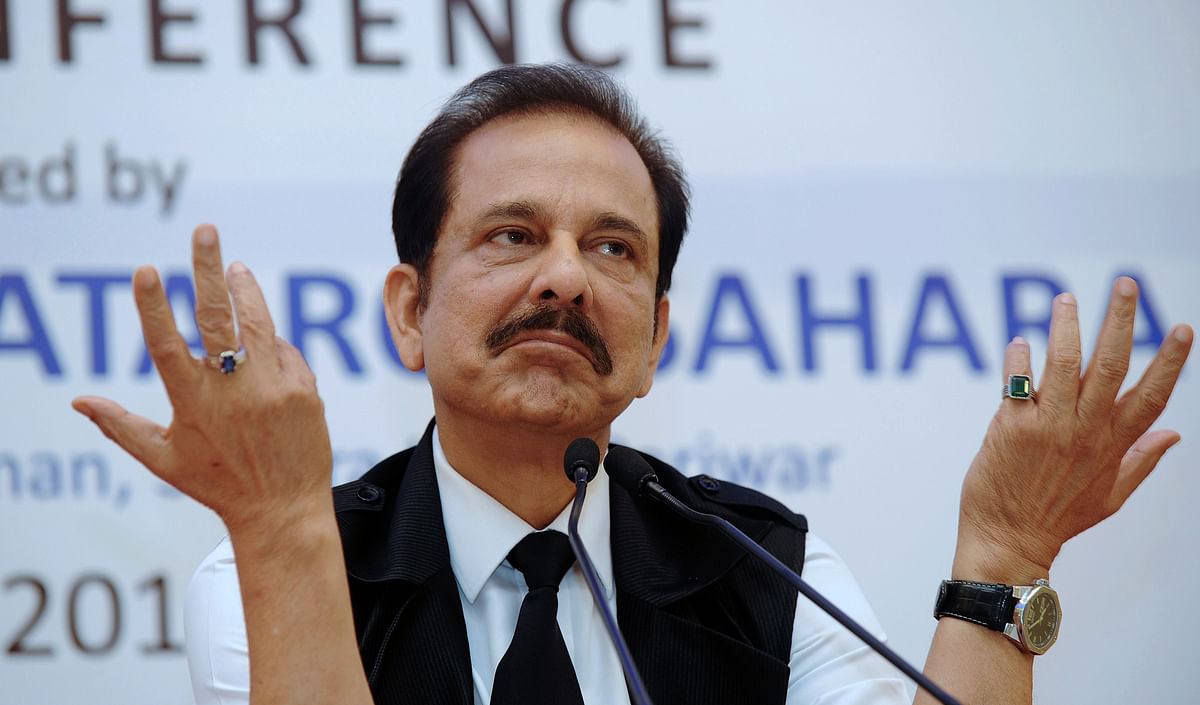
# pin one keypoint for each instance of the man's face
(541, 304)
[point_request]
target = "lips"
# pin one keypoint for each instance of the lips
(554, 337)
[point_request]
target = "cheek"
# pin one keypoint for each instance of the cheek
(458, 319)
(461, 304)
(631, 335)
(452, 333)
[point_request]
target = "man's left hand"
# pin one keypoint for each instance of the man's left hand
(1054, 466)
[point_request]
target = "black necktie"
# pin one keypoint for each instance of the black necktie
(536, 669)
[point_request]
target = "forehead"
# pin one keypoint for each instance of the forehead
(572, 166)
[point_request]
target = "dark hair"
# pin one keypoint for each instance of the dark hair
(423, 190)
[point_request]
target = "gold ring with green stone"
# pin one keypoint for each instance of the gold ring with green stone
(1019, 387)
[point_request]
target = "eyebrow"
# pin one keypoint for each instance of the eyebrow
(614, 221)
(514, 209)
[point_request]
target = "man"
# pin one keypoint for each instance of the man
(537, 223)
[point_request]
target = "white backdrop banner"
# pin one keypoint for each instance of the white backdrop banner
(885, 194)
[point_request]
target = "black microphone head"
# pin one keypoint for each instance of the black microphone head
(628, 469)
(582, 453)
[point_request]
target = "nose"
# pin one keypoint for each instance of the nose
(562, 275)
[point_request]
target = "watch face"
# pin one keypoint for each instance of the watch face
(1040, 620)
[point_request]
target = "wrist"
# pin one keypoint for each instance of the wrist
(297, 528)
(980, 559)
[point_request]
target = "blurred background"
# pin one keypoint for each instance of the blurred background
(885, 193)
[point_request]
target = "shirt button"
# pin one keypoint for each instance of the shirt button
(368, 494)
(708, 483)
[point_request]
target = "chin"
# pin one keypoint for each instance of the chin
(549, 405)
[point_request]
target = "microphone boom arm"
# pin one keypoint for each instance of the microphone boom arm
(633, 679)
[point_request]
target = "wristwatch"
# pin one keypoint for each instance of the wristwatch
(1028, 614)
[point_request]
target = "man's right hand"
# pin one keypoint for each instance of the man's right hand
(252, 445)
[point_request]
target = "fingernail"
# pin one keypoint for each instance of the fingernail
(205, 236)
(1019, 341)
(238, 268)
(1183, 334)
(1126, 286)
(1067, 298)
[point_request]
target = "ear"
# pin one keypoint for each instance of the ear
(658, 345)
(401, 302)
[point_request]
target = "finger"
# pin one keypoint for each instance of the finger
(254, 319)
(1139, 407)
(1110, 361)
(293, 364)
(1016, 362)
(214, 314)
(1060, 377)
(167, 348)
(137, 435)
(1137, 464)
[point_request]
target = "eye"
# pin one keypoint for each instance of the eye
(614, 249)
(511, 237)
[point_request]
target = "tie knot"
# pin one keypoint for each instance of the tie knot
(543, 558)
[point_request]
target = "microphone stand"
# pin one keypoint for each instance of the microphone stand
(660, 493)
(633, 679)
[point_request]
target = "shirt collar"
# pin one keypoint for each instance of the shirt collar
(481, 531)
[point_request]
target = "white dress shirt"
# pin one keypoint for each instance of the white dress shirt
(828, 664)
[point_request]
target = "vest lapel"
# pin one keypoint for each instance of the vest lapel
(412, 635)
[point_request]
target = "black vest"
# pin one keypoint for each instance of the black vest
(706, 623)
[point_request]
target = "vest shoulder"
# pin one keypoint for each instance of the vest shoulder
(729, 497)
(372, 491)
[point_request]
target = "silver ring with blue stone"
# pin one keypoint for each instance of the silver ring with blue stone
(1020, 387)
(228, 361)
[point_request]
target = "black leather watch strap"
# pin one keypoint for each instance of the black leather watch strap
(989, 604)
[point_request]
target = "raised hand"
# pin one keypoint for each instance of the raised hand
(253, 444)
(1054, 466)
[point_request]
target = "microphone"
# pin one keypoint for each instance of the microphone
(582, 454)
(631, 471)
(581, 462)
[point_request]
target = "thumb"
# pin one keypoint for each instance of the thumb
(140, 437)
(1139, 460)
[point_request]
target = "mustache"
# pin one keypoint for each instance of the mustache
(546, 317)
